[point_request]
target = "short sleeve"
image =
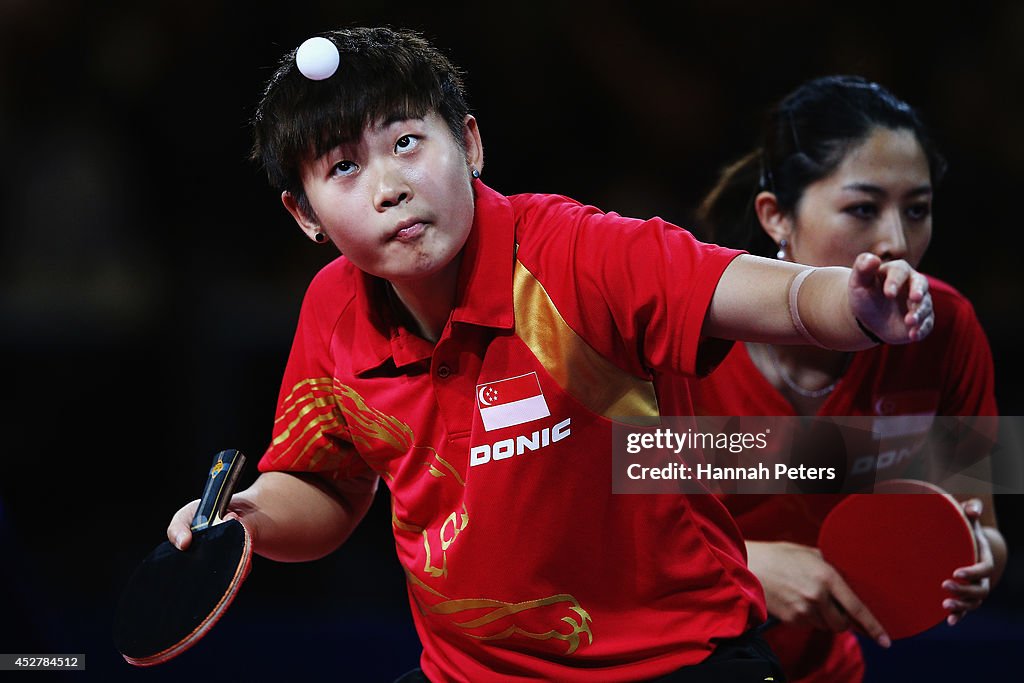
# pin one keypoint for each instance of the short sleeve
(969, 373)
(637, 290)
(310, 433)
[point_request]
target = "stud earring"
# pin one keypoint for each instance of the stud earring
(475, 174)
(781, 254)
(320, 238)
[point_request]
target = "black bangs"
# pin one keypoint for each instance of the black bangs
(327, 127)
(383, 75)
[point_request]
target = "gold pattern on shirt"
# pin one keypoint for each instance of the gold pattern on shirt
(369, 424)
(320, 407)
(307, 412)
(497, 619)
(591, 379)
(454, 524)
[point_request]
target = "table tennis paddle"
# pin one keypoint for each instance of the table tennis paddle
(895, 547)
(175, 597)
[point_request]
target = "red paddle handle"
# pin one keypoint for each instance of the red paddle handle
(220, 484)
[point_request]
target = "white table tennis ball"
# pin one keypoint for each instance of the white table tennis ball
(317, 58)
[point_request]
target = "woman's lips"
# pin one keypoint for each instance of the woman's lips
(411, 232)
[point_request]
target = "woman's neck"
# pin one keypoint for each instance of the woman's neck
(428, 302)
(806, 375)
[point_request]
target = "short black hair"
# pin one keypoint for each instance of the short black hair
(384, 73)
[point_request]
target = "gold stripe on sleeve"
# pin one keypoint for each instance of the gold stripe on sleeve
(586, 375)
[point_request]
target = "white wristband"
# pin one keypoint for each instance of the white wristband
(794, 307)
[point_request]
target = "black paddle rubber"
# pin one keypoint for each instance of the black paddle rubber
(176, 596)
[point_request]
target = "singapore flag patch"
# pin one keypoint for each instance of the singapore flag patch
(511, 401)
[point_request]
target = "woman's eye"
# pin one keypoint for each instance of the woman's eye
(863, 210)
(406, 142)
(343, 168)
(918, 212)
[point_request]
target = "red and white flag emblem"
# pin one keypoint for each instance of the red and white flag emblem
(511, 401)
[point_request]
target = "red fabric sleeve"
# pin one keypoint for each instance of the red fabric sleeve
(636, 290)
(310, 433)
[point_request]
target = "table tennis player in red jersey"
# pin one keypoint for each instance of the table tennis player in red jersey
(844, 168)
(470, 349)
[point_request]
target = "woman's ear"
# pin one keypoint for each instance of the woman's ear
(309, 225)
(773, 220)
(473, 143)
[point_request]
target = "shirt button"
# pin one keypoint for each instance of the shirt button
(443, 371)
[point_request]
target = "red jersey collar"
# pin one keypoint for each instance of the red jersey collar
(484, 295)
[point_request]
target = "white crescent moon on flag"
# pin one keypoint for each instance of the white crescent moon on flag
(480, 395)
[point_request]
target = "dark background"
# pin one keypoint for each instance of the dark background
(150, 279)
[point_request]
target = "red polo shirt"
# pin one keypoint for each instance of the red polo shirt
(496, 445)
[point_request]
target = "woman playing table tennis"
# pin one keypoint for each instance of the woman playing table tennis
(471, 352)
(844, 167)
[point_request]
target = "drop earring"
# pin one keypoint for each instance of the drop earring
(781, 253)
